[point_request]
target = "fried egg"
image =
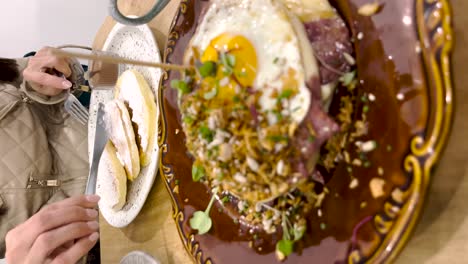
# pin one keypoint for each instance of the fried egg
(271, 50)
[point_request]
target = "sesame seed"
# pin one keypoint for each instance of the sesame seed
(177, 131)
(371, 97)
(400, 96)
(319, 212)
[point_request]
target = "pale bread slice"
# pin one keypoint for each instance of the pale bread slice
(122, 136)
(114, 191)
(132, 88)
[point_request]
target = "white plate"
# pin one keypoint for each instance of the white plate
(133, 43)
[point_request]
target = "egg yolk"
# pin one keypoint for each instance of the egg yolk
(245, 66)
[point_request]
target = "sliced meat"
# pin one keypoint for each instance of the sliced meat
(330, 40)
(307, 143)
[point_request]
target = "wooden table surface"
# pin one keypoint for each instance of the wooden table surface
(441, 235)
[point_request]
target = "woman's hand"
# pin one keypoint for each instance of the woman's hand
(62, 232)
(36, 73)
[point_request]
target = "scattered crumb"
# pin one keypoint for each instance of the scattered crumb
(186, 200)
(363, 205)
(250, 244)
(176, 189)
(417, 48)
(360, 36)
(376, 186)
(260, 249)
(397, 195)
(400, 96)
(354, 183)
(380, 171)
(369, 9)
(368, 146)
(357, 162)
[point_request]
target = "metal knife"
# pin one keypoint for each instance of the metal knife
(100, 140)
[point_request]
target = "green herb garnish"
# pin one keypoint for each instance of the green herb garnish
(206, 133)
(198, 172)
(228, 61)
(225, 199)
(236, 99)
(285, 94)
(181, 86)
(200, 220)
(207, 69)
(188, 120)
(275, 60)
(211, 94)
(284, 248)
(311, 139)
(348, 78)
(365, 109)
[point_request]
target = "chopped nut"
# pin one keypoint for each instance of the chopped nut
(397, 195)
(354, 183)
(380, 171)
(240, 178)
(253, 164)
(363, 205)
(225, 152)
(376, 186)
(176, 189)
(369, 9)
(368, 146)
(357, 162)
(280, 168)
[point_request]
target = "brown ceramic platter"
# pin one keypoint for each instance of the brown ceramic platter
(403, 60)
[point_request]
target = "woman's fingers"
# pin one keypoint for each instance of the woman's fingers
(36, 73)
(78, 250)
(75, 209)
(60, 64)
(51, 240)
(86, 201)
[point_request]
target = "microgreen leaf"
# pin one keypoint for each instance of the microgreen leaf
(198, 172)
(284, 248)
(207, 69)
(201, 222)
(181, 86)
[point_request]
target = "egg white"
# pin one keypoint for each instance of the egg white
(278, 41)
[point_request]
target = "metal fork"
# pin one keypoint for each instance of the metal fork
(74, 107)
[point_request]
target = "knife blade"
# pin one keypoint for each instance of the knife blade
(100, 140)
